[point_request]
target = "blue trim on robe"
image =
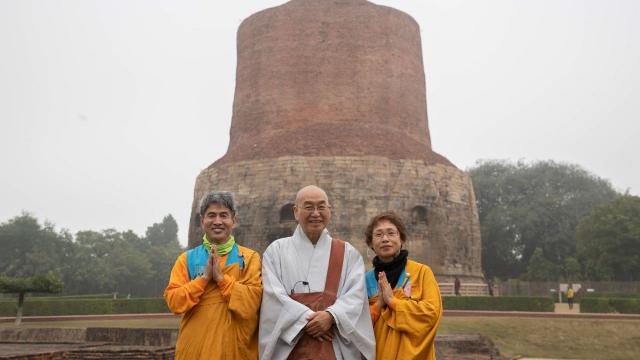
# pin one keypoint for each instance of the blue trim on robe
(197, 260)
(372, 282)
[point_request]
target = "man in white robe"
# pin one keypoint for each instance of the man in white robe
(299, 264)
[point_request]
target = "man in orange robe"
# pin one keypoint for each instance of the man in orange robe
(218, 288)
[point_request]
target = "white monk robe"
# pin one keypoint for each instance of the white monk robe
(285, 264)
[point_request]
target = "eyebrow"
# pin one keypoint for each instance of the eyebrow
(218, 212)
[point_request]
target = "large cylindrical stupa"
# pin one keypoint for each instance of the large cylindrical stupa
(332, 93)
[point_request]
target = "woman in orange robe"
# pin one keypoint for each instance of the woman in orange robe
(218, 288)
(404, 298)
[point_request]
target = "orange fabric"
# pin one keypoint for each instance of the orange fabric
(393, 302)
(226, 284)
(217, 316)
(407, 328)
(375, 311)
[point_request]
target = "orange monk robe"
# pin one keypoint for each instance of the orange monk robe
(220, 319)
(407, 328)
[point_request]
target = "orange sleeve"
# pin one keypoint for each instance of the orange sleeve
(226, 284)
(416, 315)
(182, 294)
(392, 304)
(374, 310)
(245, 299)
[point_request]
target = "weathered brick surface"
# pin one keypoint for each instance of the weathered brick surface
(333, 93)
(330, 78)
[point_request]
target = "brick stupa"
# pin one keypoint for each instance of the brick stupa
(333, 93)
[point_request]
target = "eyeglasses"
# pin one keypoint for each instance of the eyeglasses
(311, 208)
(304, 284)
(390, 233)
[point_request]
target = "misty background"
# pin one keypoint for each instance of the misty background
(110, 109)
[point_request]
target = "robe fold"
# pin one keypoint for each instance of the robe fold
(220, 319)
(407, 328)
(295, 264)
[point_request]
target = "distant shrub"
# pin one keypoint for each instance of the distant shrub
(610, 305)
(610, 295)
(69, 297)
(595, 305)
(74, 306)
(498, 303)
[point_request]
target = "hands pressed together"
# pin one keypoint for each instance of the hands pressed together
(213, 271)
(385, 293)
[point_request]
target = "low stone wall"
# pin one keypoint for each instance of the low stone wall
(126, 336)
(90, 343)
(37, 335)
(125, 343)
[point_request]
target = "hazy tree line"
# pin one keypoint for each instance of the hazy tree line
(539, 221)
(107, 261)
(553, 221)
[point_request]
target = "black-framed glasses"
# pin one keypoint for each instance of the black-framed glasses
(389, 232)
(311, 208)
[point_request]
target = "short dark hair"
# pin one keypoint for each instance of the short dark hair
(389, 216)
(223, 198)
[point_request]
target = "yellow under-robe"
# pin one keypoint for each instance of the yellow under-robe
(220, 319)
(407, 328)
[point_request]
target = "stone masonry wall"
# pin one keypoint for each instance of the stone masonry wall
(436, 201)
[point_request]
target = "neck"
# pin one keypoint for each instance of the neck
(314, 237)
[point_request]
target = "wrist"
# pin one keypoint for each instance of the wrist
(333, 319)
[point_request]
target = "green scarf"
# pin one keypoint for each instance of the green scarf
(223, 249)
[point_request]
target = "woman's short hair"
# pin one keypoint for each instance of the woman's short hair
(389, 216)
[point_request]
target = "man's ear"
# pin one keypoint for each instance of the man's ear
(295, 212)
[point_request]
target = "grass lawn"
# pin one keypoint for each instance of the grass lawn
(554, 338)
(137, 323)
(530, 337)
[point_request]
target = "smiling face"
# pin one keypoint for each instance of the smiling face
(312, 211)
(386, 241)
(217, 222)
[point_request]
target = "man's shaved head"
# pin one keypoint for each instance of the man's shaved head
(310, 189)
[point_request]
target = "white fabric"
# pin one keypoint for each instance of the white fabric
(285, 264)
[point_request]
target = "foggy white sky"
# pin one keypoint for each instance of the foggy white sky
(109, 109)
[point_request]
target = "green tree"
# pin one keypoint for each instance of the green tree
(162, 249)
(91, 271)
(28, 248)
(94, 262)
(572, 269)
(527, 206)
(540, 268)
(609, 240)
(48, 283)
